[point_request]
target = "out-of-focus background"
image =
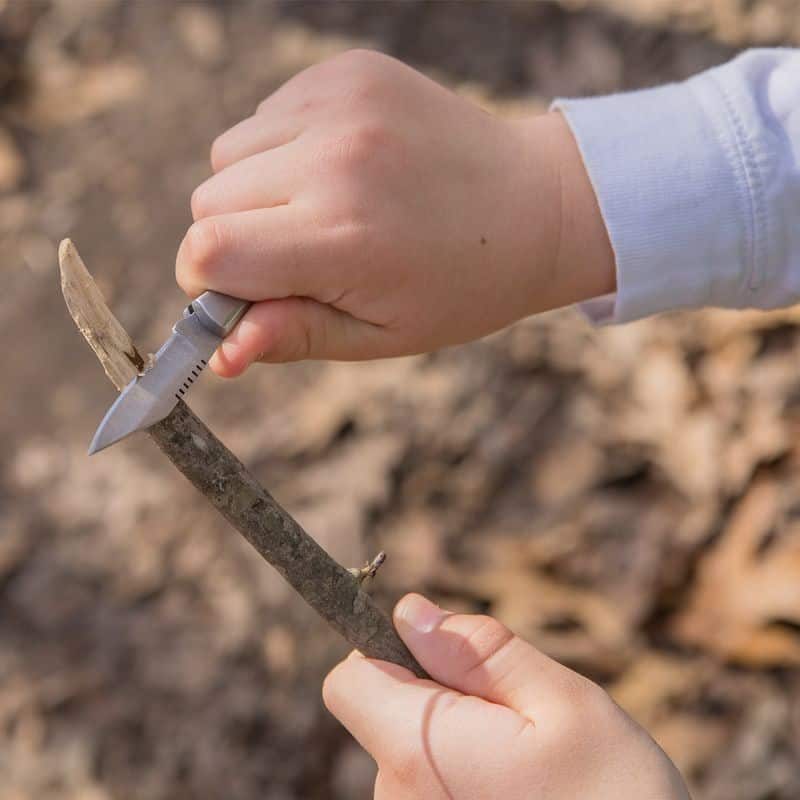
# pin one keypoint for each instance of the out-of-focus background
(628, 499)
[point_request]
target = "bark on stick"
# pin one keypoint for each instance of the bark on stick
(330, 589)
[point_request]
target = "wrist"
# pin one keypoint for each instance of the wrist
(578, 260)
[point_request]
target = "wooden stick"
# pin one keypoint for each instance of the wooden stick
(330, 589)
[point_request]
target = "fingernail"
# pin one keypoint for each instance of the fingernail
(420, 614)
(353, 654)
(229, 357)
(229, 349)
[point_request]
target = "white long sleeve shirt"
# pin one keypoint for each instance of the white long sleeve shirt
(699, 186)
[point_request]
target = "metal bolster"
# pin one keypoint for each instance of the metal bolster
(219, 313)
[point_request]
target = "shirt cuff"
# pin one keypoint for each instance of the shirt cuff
(667, 167)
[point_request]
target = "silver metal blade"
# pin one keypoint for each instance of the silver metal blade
(150, 397)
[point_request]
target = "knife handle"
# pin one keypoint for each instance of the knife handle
(217, 312)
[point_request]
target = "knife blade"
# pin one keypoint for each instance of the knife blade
(150, 397)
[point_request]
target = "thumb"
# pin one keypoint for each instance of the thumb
(479, 656)
(293, 329)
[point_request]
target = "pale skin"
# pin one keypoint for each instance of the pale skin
(499, 720)
(369, 212)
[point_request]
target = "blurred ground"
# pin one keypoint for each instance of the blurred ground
(627, 499)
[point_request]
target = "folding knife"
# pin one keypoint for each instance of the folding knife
(150, 397)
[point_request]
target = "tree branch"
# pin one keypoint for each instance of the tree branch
(330, 589)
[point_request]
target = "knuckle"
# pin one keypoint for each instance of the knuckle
(591, 698)
(360, 78)
(203, 247)
(219, 152)
(200, 202)
(365, 149)
(583, 704)
(366, 143)
(367, 80)
(349, 72)
(359, 62)
(485, 640)
(599, 702)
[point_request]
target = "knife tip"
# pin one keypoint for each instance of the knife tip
(97, 445)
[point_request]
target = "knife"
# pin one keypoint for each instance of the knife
(150, 397)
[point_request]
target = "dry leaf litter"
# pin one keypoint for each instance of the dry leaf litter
(628, 499)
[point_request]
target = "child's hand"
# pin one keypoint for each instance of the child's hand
(375, 213)
(513, 725)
